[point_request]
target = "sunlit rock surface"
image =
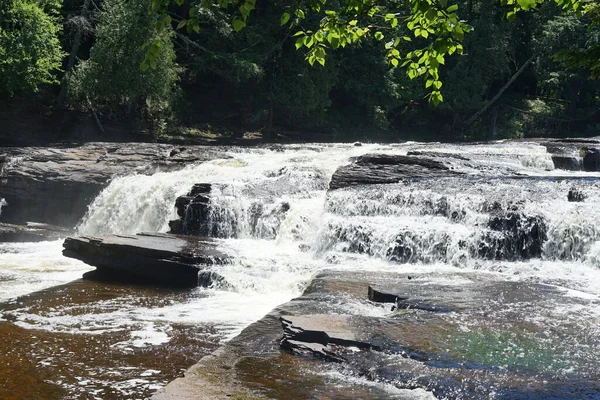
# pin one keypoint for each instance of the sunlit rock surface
(334, 342)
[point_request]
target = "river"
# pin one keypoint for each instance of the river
(270, 210)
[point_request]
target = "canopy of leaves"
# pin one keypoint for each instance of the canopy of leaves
(112, 75)
(30, 51)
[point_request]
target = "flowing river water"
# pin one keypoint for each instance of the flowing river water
(271, 210)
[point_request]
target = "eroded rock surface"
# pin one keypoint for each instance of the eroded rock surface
(575, 154)
(383, 168)
(157, 258)
(333, 342)
(55, 185)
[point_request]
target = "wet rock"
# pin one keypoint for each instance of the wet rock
(591, 159)
(31, 232)
(382, 297)
(568, 163)
(436, 155)
(575, 195)
(514, 236)
(159, 258)
(575, 154)
(383, 168)
(403, 303)
(193, 210)
(55, 185)
(212, 279)
(496, 342)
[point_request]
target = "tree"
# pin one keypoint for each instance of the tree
(434, 23)
(30, 51)
(112, 76)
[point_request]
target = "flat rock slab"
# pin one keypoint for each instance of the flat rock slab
(159, 258)
(31, 232)
(383, 168)
(497, 338)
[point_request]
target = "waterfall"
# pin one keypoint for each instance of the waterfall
(511, 207)
(505, 215)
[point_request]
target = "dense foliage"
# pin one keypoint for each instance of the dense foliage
(30, 51)
(112, 75)
(424, 69)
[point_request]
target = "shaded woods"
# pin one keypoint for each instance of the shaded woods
(69, 66)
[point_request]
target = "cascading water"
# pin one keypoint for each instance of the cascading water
(271, 210)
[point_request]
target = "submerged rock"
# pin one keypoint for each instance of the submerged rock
(513, 236)
(575, 195)
(148, 258)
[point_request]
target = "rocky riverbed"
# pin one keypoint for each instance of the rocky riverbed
(391, 271)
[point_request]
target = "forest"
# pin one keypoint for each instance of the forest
(202, 67)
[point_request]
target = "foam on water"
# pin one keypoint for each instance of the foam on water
(410, 227)
(29, 267)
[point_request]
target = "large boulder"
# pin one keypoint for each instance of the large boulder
(384, 168)
(162, 259)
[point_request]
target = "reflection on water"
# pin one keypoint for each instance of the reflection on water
(90, 340)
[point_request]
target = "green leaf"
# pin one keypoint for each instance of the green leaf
(334, 41)
(378, 35)
(300, 42)
(144, 66)
(394, 62)
(308, 41)
(285, 17)
(238, 24)
(452, 8)
(181, 24)
(300, 14)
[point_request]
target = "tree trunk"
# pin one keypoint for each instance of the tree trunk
(500, 92)
(74, 50)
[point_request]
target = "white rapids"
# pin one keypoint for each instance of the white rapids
(358, 228)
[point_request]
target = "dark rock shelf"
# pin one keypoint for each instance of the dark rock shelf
(383, 168)
(55, 185)
(163, 259)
